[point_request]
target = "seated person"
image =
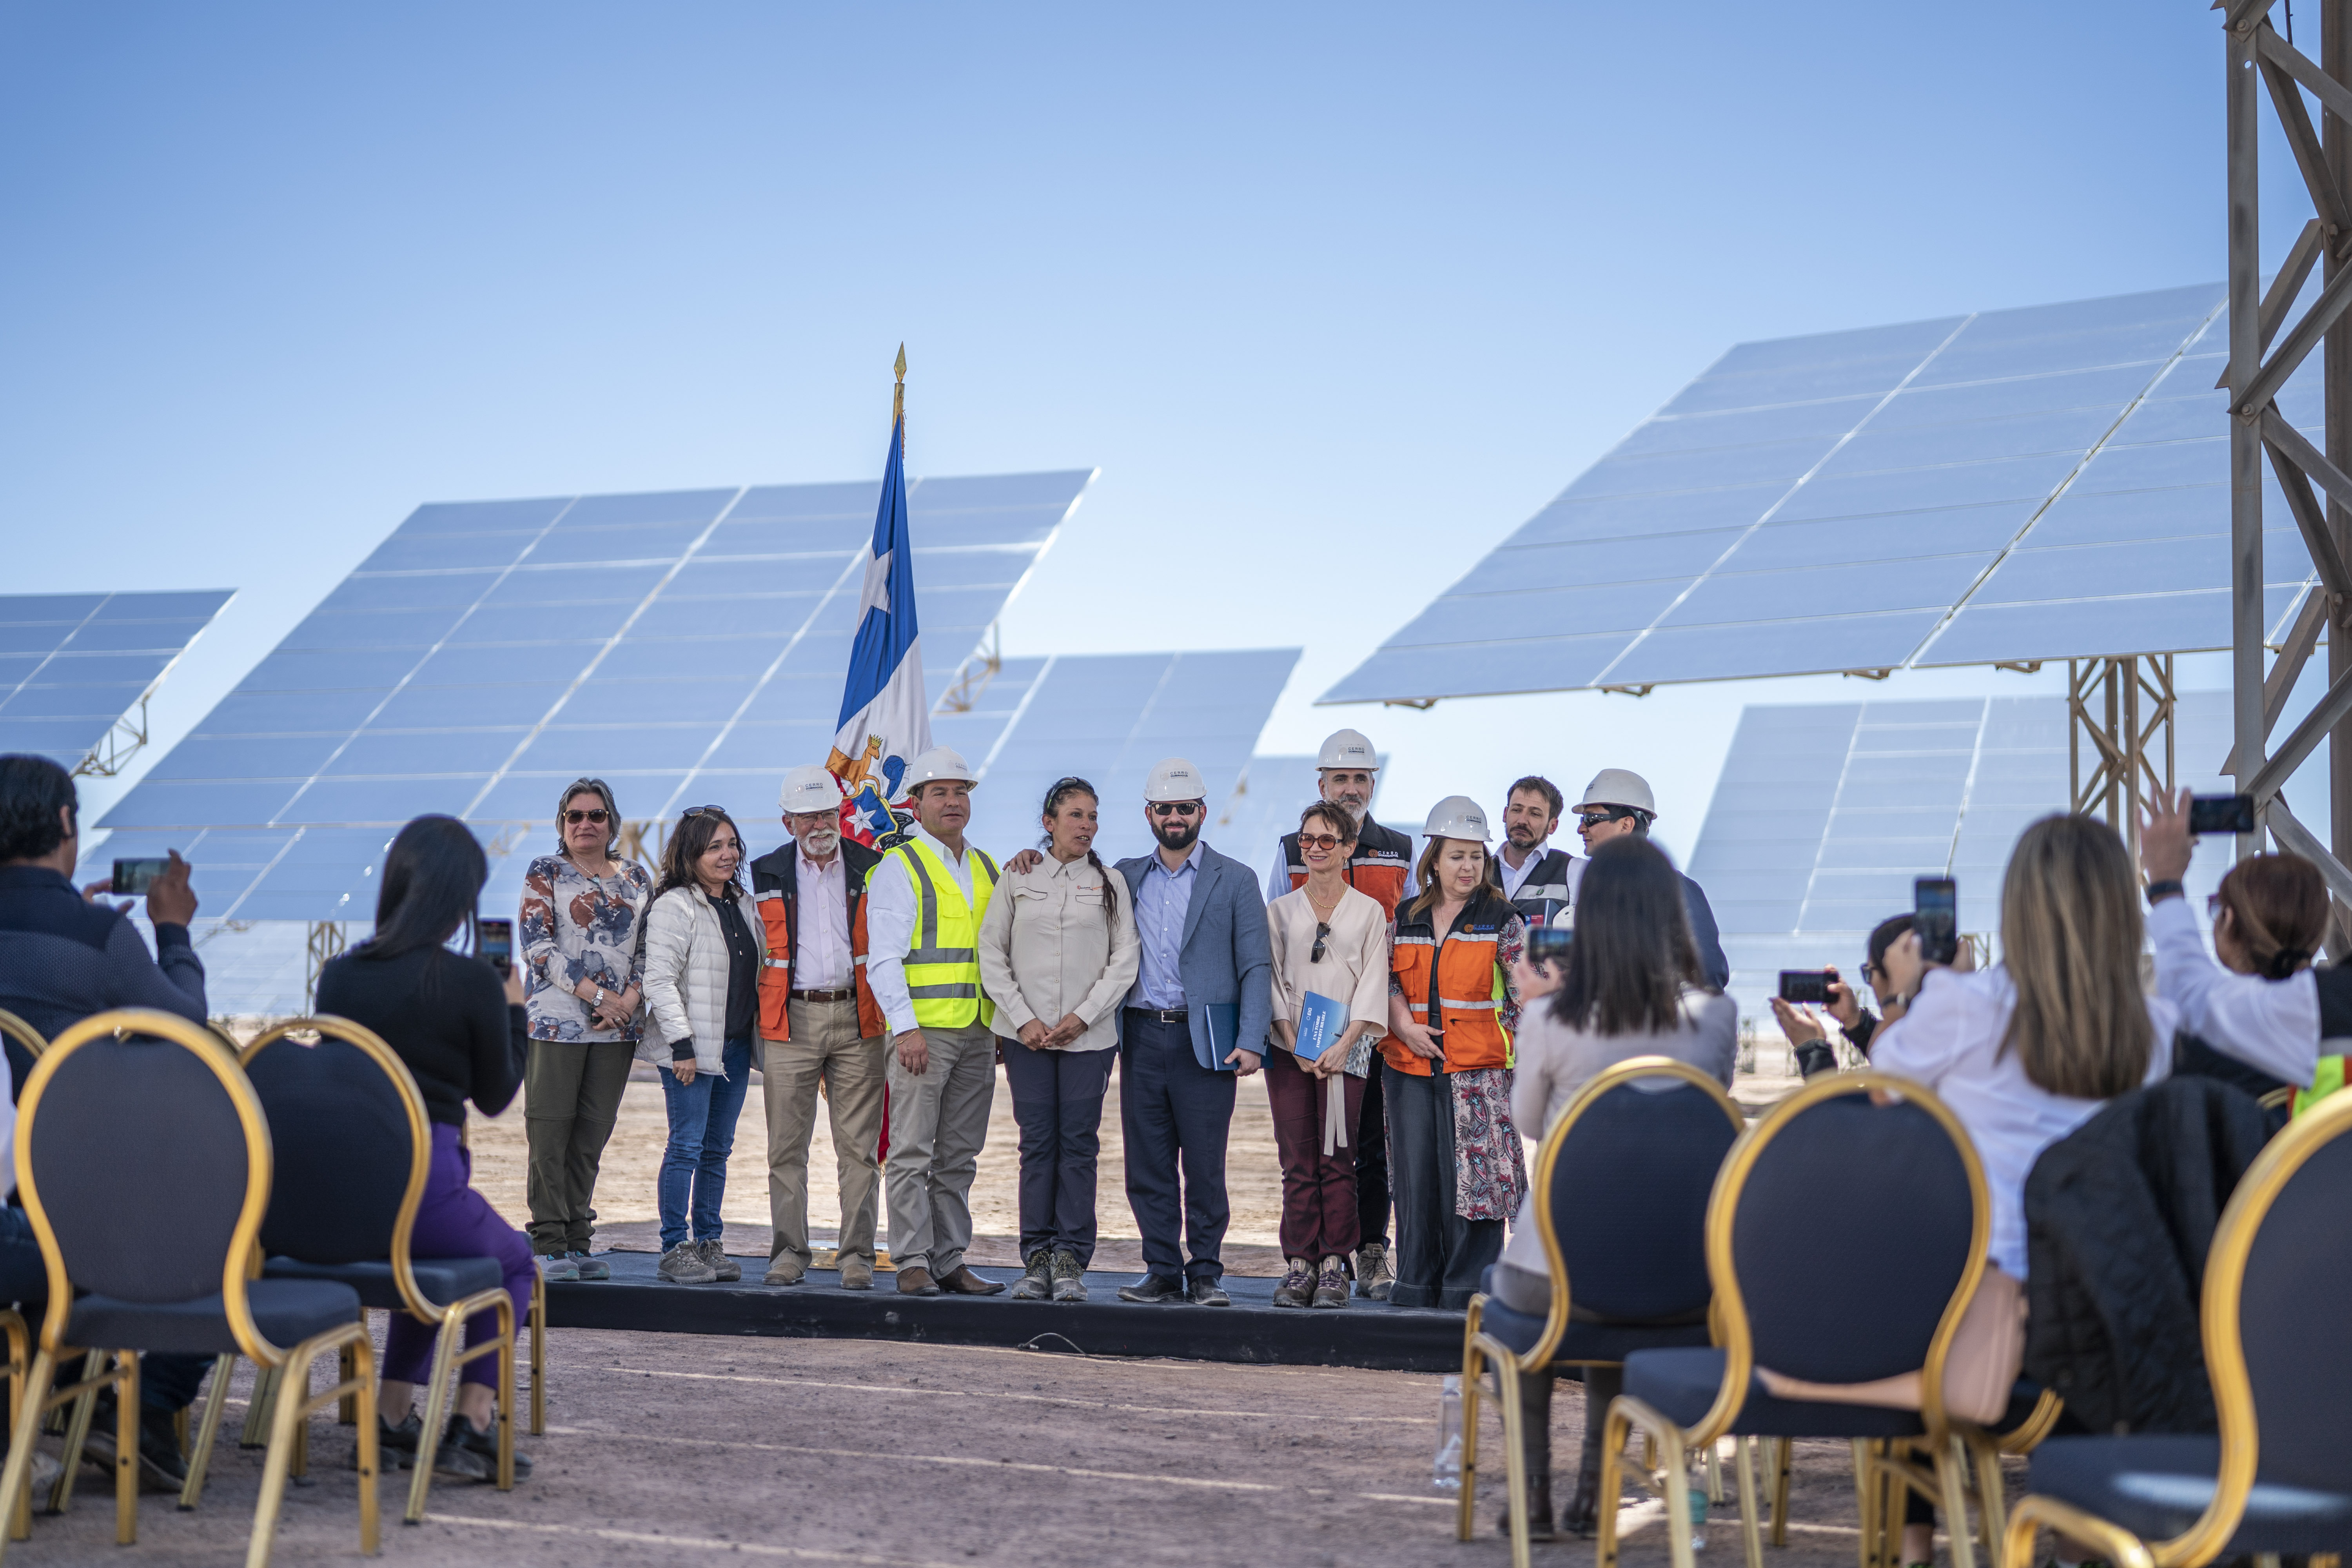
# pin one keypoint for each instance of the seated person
(1811, 1041)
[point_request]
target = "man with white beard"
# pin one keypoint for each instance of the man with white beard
(820, 1023)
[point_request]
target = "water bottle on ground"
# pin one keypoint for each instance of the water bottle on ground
(1445, 1475)
(1696, 1487)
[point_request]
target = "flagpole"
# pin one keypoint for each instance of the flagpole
(898, 397)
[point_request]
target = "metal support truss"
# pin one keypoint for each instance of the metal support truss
(2124, 708)
(2316, 479)
(125, 740)
(972, 677)
(325, 941)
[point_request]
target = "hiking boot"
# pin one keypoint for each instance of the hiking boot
(1069, 1280)
(590, 1268)
(1296, 1285)
(557, 1268)
(858, 1274)
(1374, 1280)
(1331, 1284)
(723, 1268)
(683, 1265)
(395, 1446)
(1036, 1282)
(162, 1469)
(482, 1444)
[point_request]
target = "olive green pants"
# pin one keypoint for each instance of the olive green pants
(571, 1098)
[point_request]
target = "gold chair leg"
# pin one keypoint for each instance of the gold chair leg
(1751, 1533)
(1674, 1465)
(1473, 1385)
(362, 1359)
(537, 1356)
(1614, 1429)
(16, 1475)
(285, 1420)
(1515, 1459)
(200, 1457)
(126, 1448)
(347, 1407)
(19, 1507)
(77, 1434)
(1951, 1472)
(1865, 1497)
(1992, 1504)
(256, 1408)
(438, 1397)
(1782, 1466)
(1714, 1474)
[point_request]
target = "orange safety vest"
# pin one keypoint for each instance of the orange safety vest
(1468, 973)
(775, 915)
(1380, 864)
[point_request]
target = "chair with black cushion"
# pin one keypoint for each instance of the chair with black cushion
(2277, 1477)
(143, 1161)
(1845, 1237)
(354, 1153)
(1621, 1190)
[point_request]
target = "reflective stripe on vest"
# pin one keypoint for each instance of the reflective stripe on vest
(2328, 1080)
(942, 962)
(1464, 962)
(1528, 893)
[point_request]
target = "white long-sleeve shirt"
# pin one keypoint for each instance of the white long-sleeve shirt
(1950, 1040)
(2271, 1024)
(890, 927)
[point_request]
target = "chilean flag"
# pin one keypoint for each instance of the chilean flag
(886, 721)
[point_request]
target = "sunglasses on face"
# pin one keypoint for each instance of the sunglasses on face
(1595, 818)
(1176, 809)
(1319, 841)
(599, 816)
(1322, 932)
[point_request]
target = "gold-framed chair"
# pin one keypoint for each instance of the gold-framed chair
(2277, 1477)
(162, 1257)
(1872, 1287)
(1621, 1192)
(352, 1220)
(24, 1034)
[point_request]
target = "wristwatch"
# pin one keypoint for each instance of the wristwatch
(600, 997)
(2164, 888)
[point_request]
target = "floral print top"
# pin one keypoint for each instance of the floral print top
(576, 927)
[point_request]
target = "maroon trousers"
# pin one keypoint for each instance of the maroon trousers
(1318, 1190)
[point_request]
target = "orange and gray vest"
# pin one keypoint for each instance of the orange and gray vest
(1455, 985)
(775, 888)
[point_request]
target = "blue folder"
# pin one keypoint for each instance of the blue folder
(1320, 1022)
(1224, 1028)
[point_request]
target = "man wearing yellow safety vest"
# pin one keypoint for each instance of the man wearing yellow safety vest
(924, 904)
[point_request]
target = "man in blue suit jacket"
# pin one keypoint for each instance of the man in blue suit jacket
(1202, 926)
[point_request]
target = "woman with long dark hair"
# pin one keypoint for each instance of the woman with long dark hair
(1057, 953)
(1631, 986)
(460, 1025)
(704, 946)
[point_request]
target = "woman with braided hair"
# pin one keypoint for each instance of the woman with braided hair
(1057, 953)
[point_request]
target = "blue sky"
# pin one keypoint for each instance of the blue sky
(1335, 296)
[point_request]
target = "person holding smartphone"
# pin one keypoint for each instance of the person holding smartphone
(1803, 1030)
(1330, 940)
(584, 983)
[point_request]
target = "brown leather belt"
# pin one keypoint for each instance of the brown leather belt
(825, 995)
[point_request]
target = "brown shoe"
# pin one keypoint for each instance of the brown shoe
(917, 1282)
(964, 1282)
(858, 1274)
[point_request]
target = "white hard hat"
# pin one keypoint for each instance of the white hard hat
(940, 763)
(1173, 778)
(1616, 786)
(811, 789)
(1347, 749)
(1456, 817)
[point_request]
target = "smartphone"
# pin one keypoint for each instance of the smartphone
(1546, 944)
(1805, 985)
(494, 941)
(131, 877)
(1936, 916)
(2220, 814)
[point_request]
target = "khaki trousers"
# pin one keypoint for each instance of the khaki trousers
(824, 1048)
(571, 1098)
(938, 1124)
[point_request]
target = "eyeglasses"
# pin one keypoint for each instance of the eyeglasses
(702, 811)
(1594, 818)
(1176, 809)
(1319, 841)
(1321, 932)
(598, 816)
(2212, 906)
(1868, 969)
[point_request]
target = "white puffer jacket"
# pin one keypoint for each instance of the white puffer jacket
(685, 975)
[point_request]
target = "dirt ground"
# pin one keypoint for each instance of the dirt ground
(624, 1192)
(665, 1449)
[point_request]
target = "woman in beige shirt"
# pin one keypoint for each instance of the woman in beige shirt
(1057, 952)
(1333, 941)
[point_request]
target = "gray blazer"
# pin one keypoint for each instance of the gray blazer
(1227, 956)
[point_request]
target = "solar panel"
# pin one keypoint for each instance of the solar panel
(2015, 485)
(73, 664)
(1824, 814)
(684, 644)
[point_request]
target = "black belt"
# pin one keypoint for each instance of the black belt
(843, 996)
(1161, 1014)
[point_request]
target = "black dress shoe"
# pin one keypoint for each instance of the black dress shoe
(1153, 1290)
(1207, 1292)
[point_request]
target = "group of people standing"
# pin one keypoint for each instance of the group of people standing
(1377, 987)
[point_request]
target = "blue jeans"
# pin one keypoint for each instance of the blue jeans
(701, 1135)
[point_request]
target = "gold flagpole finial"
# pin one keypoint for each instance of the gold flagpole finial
(898, 397)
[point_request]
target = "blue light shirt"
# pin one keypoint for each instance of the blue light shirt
(1161, 904)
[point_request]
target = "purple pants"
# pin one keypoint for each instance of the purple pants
(456, 1221)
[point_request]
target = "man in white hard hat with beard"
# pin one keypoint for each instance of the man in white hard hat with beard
(1194, 1021)
(1380, 865)
(1617, 802)
(822, 1025)
(924, 904)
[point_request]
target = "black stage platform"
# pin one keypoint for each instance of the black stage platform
(1363, 1333)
